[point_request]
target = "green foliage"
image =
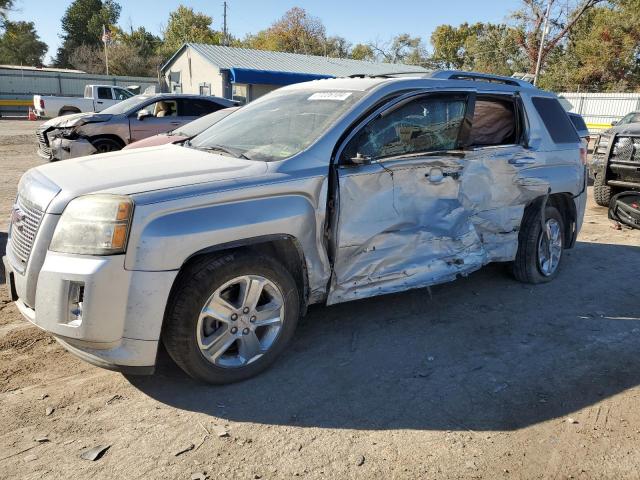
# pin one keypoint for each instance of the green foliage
(362, 52)
(402, 48)
(20, 44)
(82, 24)
(295, 32)
(185, 25)
(601, 52)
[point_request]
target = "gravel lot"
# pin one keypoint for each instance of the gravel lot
(482, 378)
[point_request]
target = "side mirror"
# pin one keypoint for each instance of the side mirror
(360, 159)
(614, 123)
(142, 114)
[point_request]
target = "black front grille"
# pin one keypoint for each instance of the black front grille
(626, 149)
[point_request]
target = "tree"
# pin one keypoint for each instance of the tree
(5, 6)
(337, 47)
(601, 52)
(296, 32)
(185, 25)
(530, 22)
(21, 45)
(402, 48)
(449, 45)
(82, 24)
(362, 52)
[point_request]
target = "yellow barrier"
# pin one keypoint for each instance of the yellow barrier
(598, 126)
(15, 103)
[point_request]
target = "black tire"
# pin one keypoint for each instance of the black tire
(195, 285)
(104, 145)
(602, 193)
(526, 266)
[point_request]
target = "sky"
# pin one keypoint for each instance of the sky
(358, 21)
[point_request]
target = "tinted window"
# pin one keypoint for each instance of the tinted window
(423, 125)
(104, 93)
(578, 122)
(556, 120)
(197, 108)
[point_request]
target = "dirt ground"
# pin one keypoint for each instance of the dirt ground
(481, 378)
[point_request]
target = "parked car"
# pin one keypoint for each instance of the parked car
(183, 133)
(615, 163)
(631, 117)
(320, 192)
(581, 126)
(131, 120)
(96, 98)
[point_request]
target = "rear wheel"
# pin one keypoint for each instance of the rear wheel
(104, 145)
(230, 317)
(539, 251)
(602, 193)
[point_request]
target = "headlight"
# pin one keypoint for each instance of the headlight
(94, 225)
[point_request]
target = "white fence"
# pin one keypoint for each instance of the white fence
(600, 109)
(17, 85)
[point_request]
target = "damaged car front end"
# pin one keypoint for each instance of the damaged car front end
(64, 137)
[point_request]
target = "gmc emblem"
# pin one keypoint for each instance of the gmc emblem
(17, 218)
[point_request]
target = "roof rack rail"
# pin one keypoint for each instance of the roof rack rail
(480, 77)
(390, 74)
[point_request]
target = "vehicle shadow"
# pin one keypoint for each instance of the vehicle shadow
(481, 353)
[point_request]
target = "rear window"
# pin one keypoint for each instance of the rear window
(556, 120)
(578, 122)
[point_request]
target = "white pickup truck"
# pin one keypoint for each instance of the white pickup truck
(96, 98)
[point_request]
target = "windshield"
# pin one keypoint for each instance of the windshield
(278, 125)
(192, 129)
(126, 105)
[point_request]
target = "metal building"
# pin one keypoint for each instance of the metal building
(600, 109)
(245, 74)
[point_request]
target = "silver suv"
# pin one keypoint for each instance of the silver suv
(320, 192)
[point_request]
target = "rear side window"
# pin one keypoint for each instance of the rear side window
(578, 122)
(104, 93)
(494, 122)
(556, 120)
(197, 108)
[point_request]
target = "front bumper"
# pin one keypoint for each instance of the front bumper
(64, 148)
(118, 321)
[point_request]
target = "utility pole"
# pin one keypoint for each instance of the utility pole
(106, 36)
(225, 39)
(542, 38)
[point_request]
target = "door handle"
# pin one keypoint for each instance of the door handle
(522, 161)
(437, 174)
(100, 103)
(174, 123)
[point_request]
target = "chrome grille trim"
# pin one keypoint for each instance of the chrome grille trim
(22, 236)
(43, 144)
(626, 149)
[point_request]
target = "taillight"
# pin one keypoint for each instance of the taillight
(583, 155)
(42, 103)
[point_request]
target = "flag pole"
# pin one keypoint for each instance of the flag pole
(105, 39)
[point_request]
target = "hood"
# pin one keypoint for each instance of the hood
(75, 120)
(626, 129)
(156, 140)
(143, 170)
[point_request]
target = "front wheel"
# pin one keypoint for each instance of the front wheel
(602, 192)
(104, 145)
(539, 250)
(230, 316)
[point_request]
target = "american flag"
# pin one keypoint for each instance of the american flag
(106, 35)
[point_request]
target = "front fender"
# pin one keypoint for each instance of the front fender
(166, 240)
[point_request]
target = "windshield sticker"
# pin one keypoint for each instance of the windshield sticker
(339, 96)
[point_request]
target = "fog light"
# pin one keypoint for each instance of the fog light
(76, 297)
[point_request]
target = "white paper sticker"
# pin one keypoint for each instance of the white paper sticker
(338, 96)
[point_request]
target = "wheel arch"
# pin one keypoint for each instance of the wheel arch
(108, 136)
(68, 108)
(284, 248)
(567, 207)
